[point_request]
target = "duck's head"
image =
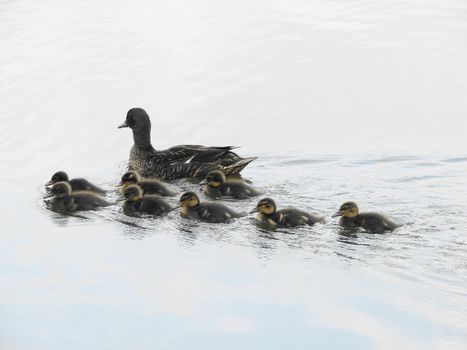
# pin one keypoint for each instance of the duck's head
(129, 178)
(215, 178)
(189, 200)
(60, 189)
(138, 121)
(57, 177)
(348, 210)
(265, 206)
(133, 193)
(136, 118)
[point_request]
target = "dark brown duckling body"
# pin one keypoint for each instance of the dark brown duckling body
(148, 186)
(192, 208)
(351, 218)
(183, 161)
(137, 204)
(268, 215)
(218, 186)
(78, 184)
(63, 200)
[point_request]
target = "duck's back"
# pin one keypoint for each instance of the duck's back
(376, 222)
(155, 187)
(238, 189)
(88, 200)
(295, 217)
(215, 212)
(81, 184)
(153, 204)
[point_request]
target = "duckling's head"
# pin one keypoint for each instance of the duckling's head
(57, 177)
(60, 189)
(189, 199)
(133, 193)
(265, 206)
(130, 177)
(215, 178)
(348, 210)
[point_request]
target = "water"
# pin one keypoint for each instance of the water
(358, 101)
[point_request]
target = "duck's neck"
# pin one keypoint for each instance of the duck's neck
(142, 138)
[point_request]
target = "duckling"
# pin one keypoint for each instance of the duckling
(79, 184)
(148, 186)
(270, 216)
(177, 162)
(217, 186)
(351, 218)
(64, 200)
(191, 207)
(136, 203)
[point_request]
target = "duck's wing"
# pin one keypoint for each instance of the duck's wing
(213, 154)
(193, 153)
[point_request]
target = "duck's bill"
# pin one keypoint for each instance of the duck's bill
(176, 207)
(49, 195)
(253, 211)
(203, 182)
(124, 125)
(336, 214)
(50, 183)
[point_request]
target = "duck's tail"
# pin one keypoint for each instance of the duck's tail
(238, 166)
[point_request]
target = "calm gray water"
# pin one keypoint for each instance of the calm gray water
(356, 100)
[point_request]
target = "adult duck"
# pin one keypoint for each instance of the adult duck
(177, 162)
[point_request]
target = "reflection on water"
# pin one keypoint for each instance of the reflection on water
(359, 79)
(239, 281)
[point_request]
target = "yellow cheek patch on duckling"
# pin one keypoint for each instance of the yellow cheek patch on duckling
(214, 183)
(267, 209)
(189, 203)
(193, 202)
(350, 213)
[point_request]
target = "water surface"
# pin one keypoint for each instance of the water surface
(356, 101)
